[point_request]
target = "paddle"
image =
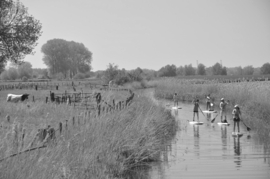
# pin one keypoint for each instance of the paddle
(214, 118)
(202, 112)
(248, 128)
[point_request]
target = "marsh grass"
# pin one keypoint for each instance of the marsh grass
(109, 146)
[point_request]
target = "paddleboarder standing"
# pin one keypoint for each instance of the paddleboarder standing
(208, 101)
(236, 117)
(223, 111)
(196, 109)
(175, 99)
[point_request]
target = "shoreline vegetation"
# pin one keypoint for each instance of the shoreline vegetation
(111, 145)
(253, 98)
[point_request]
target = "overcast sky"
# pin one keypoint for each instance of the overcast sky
(153, 33)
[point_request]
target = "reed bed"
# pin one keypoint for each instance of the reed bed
(109, 146)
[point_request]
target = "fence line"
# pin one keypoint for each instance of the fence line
(64, 125)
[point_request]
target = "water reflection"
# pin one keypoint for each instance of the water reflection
(224, 138)
(196, 139)
(237, 151)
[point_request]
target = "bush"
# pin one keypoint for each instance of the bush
(4, 75)
(79, 76)
(24, 79)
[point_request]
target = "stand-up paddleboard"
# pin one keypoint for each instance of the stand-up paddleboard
(209, 112)
(196, 122)
(237, 134)
(223, 123)
(176, 107)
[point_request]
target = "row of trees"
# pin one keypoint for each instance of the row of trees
(188, 70)
(121, 76)
(23, 71)
(66, 57)
(216, 69)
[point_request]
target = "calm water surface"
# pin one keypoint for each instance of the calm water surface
(210, 151)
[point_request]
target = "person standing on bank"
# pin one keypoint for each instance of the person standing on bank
(236, 117)
(223, 111)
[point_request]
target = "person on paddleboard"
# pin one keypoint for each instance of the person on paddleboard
(212, 106)
(208, 101)
(236, 117)
(223, 111)
(175, 99)
(196, 109)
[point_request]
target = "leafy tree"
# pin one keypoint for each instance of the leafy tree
(248, 70)
(149, 74)
(18, 31)
(25, 70)
(189, 70)
(4, 75)
(209, 71)
(168, 70)
(217, 69)
(224, 71)
(235, 71)
(56, 56)
(201, 69)
(265, 69)
(80, 58)
(66, 57)
(40, 72)
(110, 73)
(180, 71)
(137, 74)
(12, 73)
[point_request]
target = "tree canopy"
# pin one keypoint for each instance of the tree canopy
(201, 69)
(217, 69)
(18, 31)
(168, 70)
(265, 69)
(66, 57)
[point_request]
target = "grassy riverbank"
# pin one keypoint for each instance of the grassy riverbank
(253, 98)
(111, 145)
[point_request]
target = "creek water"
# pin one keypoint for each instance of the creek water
(210, 151)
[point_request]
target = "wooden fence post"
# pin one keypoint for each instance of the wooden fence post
(60, 127)
(23, 135)
(73, 121)
(33, 98)
(99, 109)
(66, 124)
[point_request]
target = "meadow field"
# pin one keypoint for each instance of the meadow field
(89, 145)
(253, 98)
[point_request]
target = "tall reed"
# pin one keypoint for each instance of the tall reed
(108, 146)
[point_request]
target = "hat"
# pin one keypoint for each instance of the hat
(222, 99)
(208, 97)
(236, 106)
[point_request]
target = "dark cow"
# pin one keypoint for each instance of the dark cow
(17, 97)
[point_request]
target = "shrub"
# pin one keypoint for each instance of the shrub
(24, 79)
(79, 76)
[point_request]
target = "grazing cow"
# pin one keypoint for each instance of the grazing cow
(17, 97)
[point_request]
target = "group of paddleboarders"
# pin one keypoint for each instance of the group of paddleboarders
(223, 111)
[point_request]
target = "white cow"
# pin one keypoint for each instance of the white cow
(16, 97)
